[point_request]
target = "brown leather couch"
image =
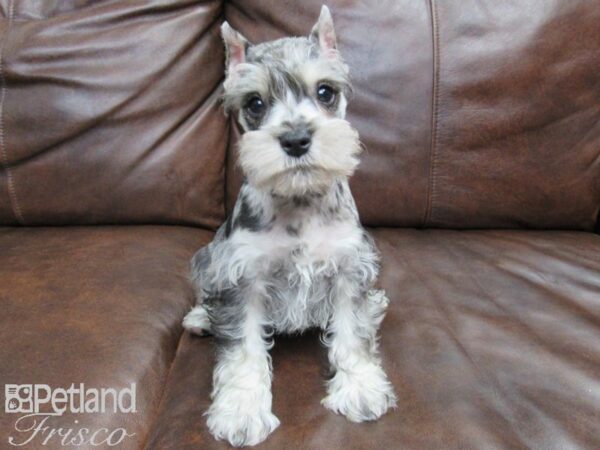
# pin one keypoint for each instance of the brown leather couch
(481, 182)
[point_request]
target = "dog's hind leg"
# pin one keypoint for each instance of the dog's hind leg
(377, 302)
(197, 321)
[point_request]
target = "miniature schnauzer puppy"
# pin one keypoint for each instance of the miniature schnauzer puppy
(293, 253)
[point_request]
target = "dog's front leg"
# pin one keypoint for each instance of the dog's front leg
(241, 409)
(359, 389)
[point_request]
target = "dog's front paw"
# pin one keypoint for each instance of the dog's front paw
(240, 423)
(360, 395)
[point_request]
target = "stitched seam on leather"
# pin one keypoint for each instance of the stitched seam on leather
(12, 193)
(434, 113)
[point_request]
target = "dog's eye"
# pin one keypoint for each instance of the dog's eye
(326, 94)
(255, 106)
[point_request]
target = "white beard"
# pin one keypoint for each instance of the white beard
(333, 155)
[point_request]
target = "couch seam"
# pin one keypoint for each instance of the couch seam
(164, 391)
(435, 35)
(12, 193)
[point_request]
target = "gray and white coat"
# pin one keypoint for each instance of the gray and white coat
(293, 254)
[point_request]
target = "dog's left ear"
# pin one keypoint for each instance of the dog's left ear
(323, 33)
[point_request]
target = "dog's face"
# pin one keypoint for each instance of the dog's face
(290, 98)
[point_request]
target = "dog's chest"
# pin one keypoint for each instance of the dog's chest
(298, 261)
(301, 244)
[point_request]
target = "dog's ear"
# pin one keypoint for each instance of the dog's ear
(236, 46)
(323, 33)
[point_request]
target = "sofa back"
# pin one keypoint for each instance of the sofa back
(474, 113)
(109, 112)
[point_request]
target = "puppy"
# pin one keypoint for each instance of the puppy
(293, 254)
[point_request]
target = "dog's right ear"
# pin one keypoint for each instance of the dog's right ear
(236, 46)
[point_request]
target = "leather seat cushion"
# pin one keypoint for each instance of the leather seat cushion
(98, 305)
(492, 340)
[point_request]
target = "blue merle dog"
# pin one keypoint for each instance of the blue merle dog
(293, 254)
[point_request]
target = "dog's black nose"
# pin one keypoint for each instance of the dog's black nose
(296, 142)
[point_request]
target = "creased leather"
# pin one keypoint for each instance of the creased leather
(111, 112)
(518, 142)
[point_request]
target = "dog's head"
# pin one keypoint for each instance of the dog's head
(290, 98)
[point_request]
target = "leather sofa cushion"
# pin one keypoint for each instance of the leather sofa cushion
(492, 340)
(109, 112)
(475, 114)
(97, 305)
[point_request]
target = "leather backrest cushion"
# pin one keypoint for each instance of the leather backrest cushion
(474, 113)
(109, 112)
